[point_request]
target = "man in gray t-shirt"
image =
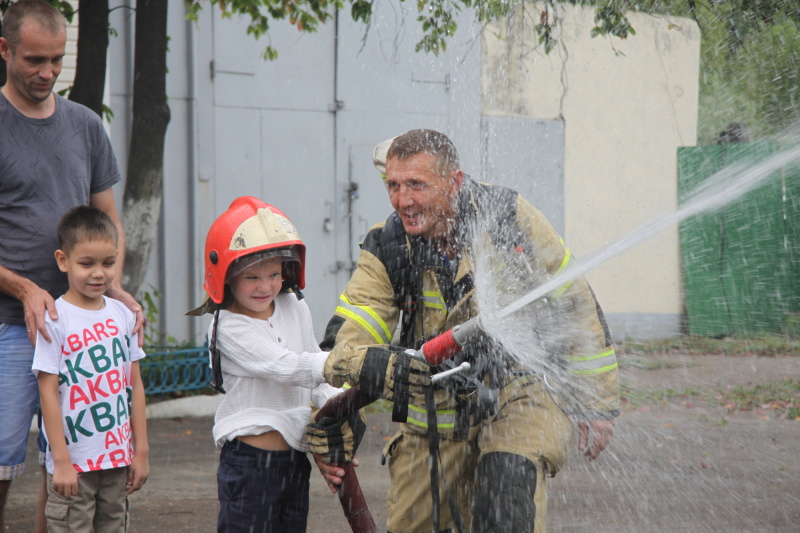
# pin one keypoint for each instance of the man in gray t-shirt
(47, 165)
(54, 155)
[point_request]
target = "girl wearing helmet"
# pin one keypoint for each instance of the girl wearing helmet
(264, 352)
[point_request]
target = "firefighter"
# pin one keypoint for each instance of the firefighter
(489, 439)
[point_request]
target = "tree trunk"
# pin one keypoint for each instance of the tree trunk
(141, 207)
(90, 70)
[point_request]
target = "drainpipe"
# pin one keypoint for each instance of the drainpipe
(191, 144)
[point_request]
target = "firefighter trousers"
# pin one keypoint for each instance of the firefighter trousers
(528, 423)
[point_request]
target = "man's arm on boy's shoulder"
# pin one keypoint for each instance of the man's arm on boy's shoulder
(139, 469)
(65, 477)
(35, 300)
(104, 201)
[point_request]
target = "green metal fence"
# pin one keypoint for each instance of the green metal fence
(741, 264)
(166, 370)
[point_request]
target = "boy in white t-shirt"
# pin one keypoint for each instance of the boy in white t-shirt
(92, 396)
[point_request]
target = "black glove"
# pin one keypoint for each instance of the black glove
(336, 440)
(389, 372)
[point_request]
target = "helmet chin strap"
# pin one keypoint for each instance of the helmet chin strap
(296, 291)
(216, 362)
(290, 277)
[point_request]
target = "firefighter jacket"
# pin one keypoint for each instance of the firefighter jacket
(401, 278)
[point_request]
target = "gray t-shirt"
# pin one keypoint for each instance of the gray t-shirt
(47, 166)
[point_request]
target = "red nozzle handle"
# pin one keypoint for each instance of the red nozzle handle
(440, 348)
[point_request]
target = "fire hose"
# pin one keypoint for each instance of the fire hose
(435, 351)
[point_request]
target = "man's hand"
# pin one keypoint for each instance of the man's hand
(332, 473)
(336, 440)
(37, 302)
(389, 372)
(601, 432)
(138, 472)
(118, 293)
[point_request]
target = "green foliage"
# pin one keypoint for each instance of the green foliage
(780, 399)
(65, 7)
(646, 363)
(611, 20)
(153, 336)
(634, 398)
(546, 32)
(546, 38)
(361, 10)
(108, 113)
(777, 399)
(436, 18)
(750, 55)
(766, 345)
(305, 15)
(749, 65)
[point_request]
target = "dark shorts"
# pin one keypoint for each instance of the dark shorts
(262, 491)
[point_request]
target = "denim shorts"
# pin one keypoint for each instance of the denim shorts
(19, 396)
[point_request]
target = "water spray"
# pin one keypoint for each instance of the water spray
(723, 188)
(726, 186)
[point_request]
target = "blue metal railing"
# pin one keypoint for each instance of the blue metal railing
(173, 370)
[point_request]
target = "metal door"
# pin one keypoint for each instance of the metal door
(273, 138)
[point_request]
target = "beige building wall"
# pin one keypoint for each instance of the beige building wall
(627, 105)
(67, 75)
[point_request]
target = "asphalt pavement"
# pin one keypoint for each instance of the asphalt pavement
(181, 493)
(682, 465)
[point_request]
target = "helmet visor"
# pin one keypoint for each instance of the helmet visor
(274, 255)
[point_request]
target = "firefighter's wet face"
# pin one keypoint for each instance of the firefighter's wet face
(421, 195)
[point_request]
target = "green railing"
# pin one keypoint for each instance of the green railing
(166, 369)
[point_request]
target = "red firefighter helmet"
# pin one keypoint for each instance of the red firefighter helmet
(251, 227)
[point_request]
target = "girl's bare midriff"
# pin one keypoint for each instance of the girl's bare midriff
(271, 440)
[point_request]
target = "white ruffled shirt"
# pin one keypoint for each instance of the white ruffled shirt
(272, 371)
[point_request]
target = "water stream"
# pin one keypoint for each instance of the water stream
(677, 468)
(508, 317)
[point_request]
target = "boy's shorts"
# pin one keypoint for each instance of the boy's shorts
(19, 395)
(101, 504)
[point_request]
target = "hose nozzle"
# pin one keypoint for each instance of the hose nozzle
(444, 346)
